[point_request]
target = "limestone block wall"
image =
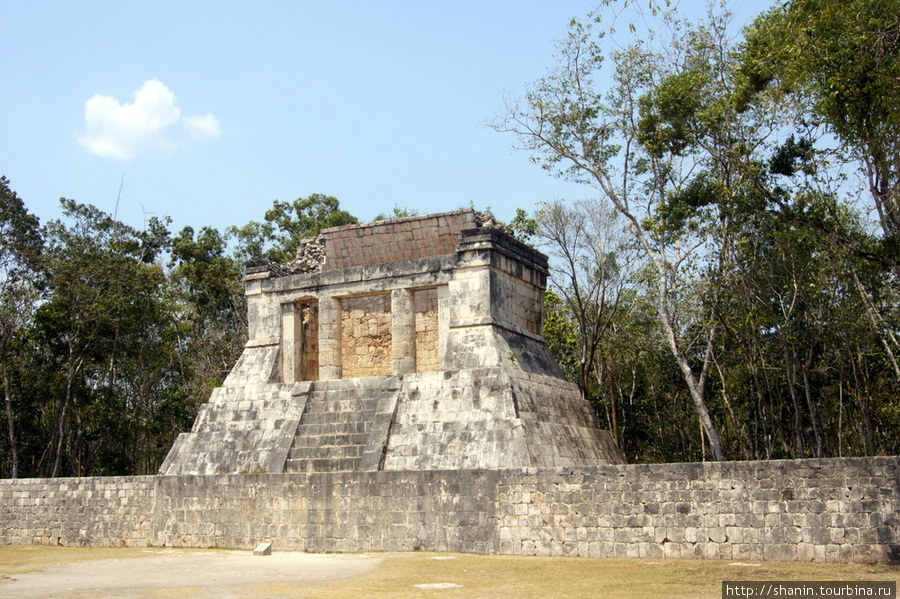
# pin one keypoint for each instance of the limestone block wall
(493, 418)
(79, 512)
(342, 512)
(521, 304)
(426, 308)
(830, 510)
(462, 419)
(243, 428)
(396, 240)
(366, 336)
(560, 427)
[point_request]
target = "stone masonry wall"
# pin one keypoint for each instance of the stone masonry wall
(366, 336)
(395, 240)
(100, 512)
(521, 303)
(831, 510)
(342, 512)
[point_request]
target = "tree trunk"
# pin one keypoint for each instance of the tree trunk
(792, 387)
(813, 413)
(695, 387)
(11, 423)
(57, 461)
(697, 395)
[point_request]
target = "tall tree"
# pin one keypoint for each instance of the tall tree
(103, 302)
(592, 262)
(643, 145)
(20, 253)
(841, 61)
(209, 310)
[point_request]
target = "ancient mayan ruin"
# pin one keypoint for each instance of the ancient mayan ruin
(408, 344)
(396, 394)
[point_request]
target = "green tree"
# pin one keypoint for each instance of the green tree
(286, 224)
(839, 61)
(641, 145)
(210, 314)
(21, 245)
(102, 309)
(561, 334)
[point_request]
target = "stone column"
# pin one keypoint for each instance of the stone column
(444, 308)
(403, 332)
(330, 360)
(291, 342)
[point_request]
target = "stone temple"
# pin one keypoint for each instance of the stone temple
(408, 344)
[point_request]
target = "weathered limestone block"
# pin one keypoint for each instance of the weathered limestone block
(366, 336)
(427, 341)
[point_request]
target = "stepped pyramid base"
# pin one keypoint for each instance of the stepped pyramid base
(448, 305)
(468, 419)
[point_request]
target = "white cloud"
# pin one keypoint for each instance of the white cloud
(202, 127)
(145, 126)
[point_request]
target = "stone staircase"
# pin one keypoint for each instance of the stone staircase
(243, 428)
(344, 427)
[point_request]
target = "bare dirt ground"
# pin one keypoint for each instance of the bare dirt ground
(34, 572)
(177, 573)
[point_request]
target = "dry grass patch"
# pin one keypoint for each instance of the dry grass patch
(484, 577)
(17, 559)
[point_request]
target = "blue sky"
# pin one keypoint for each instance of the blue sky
(206, 112)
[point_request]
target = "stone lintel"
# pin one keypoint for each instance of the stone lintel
(358, 280)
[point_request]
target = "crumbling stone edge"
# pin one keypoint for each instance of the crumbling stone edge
(823, 510)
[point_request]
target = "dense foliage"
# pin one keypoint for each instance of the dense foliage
(730, 293)
(758, 182)
(112, 337)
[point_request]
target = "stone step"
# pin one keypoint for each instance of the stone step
(336, 417)
(219, 423)
(240, 394)
(342, 405)
(244, 397)
(332, 451)
(323, 465)
(249, 414)
(333, 428)
(330, 440)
